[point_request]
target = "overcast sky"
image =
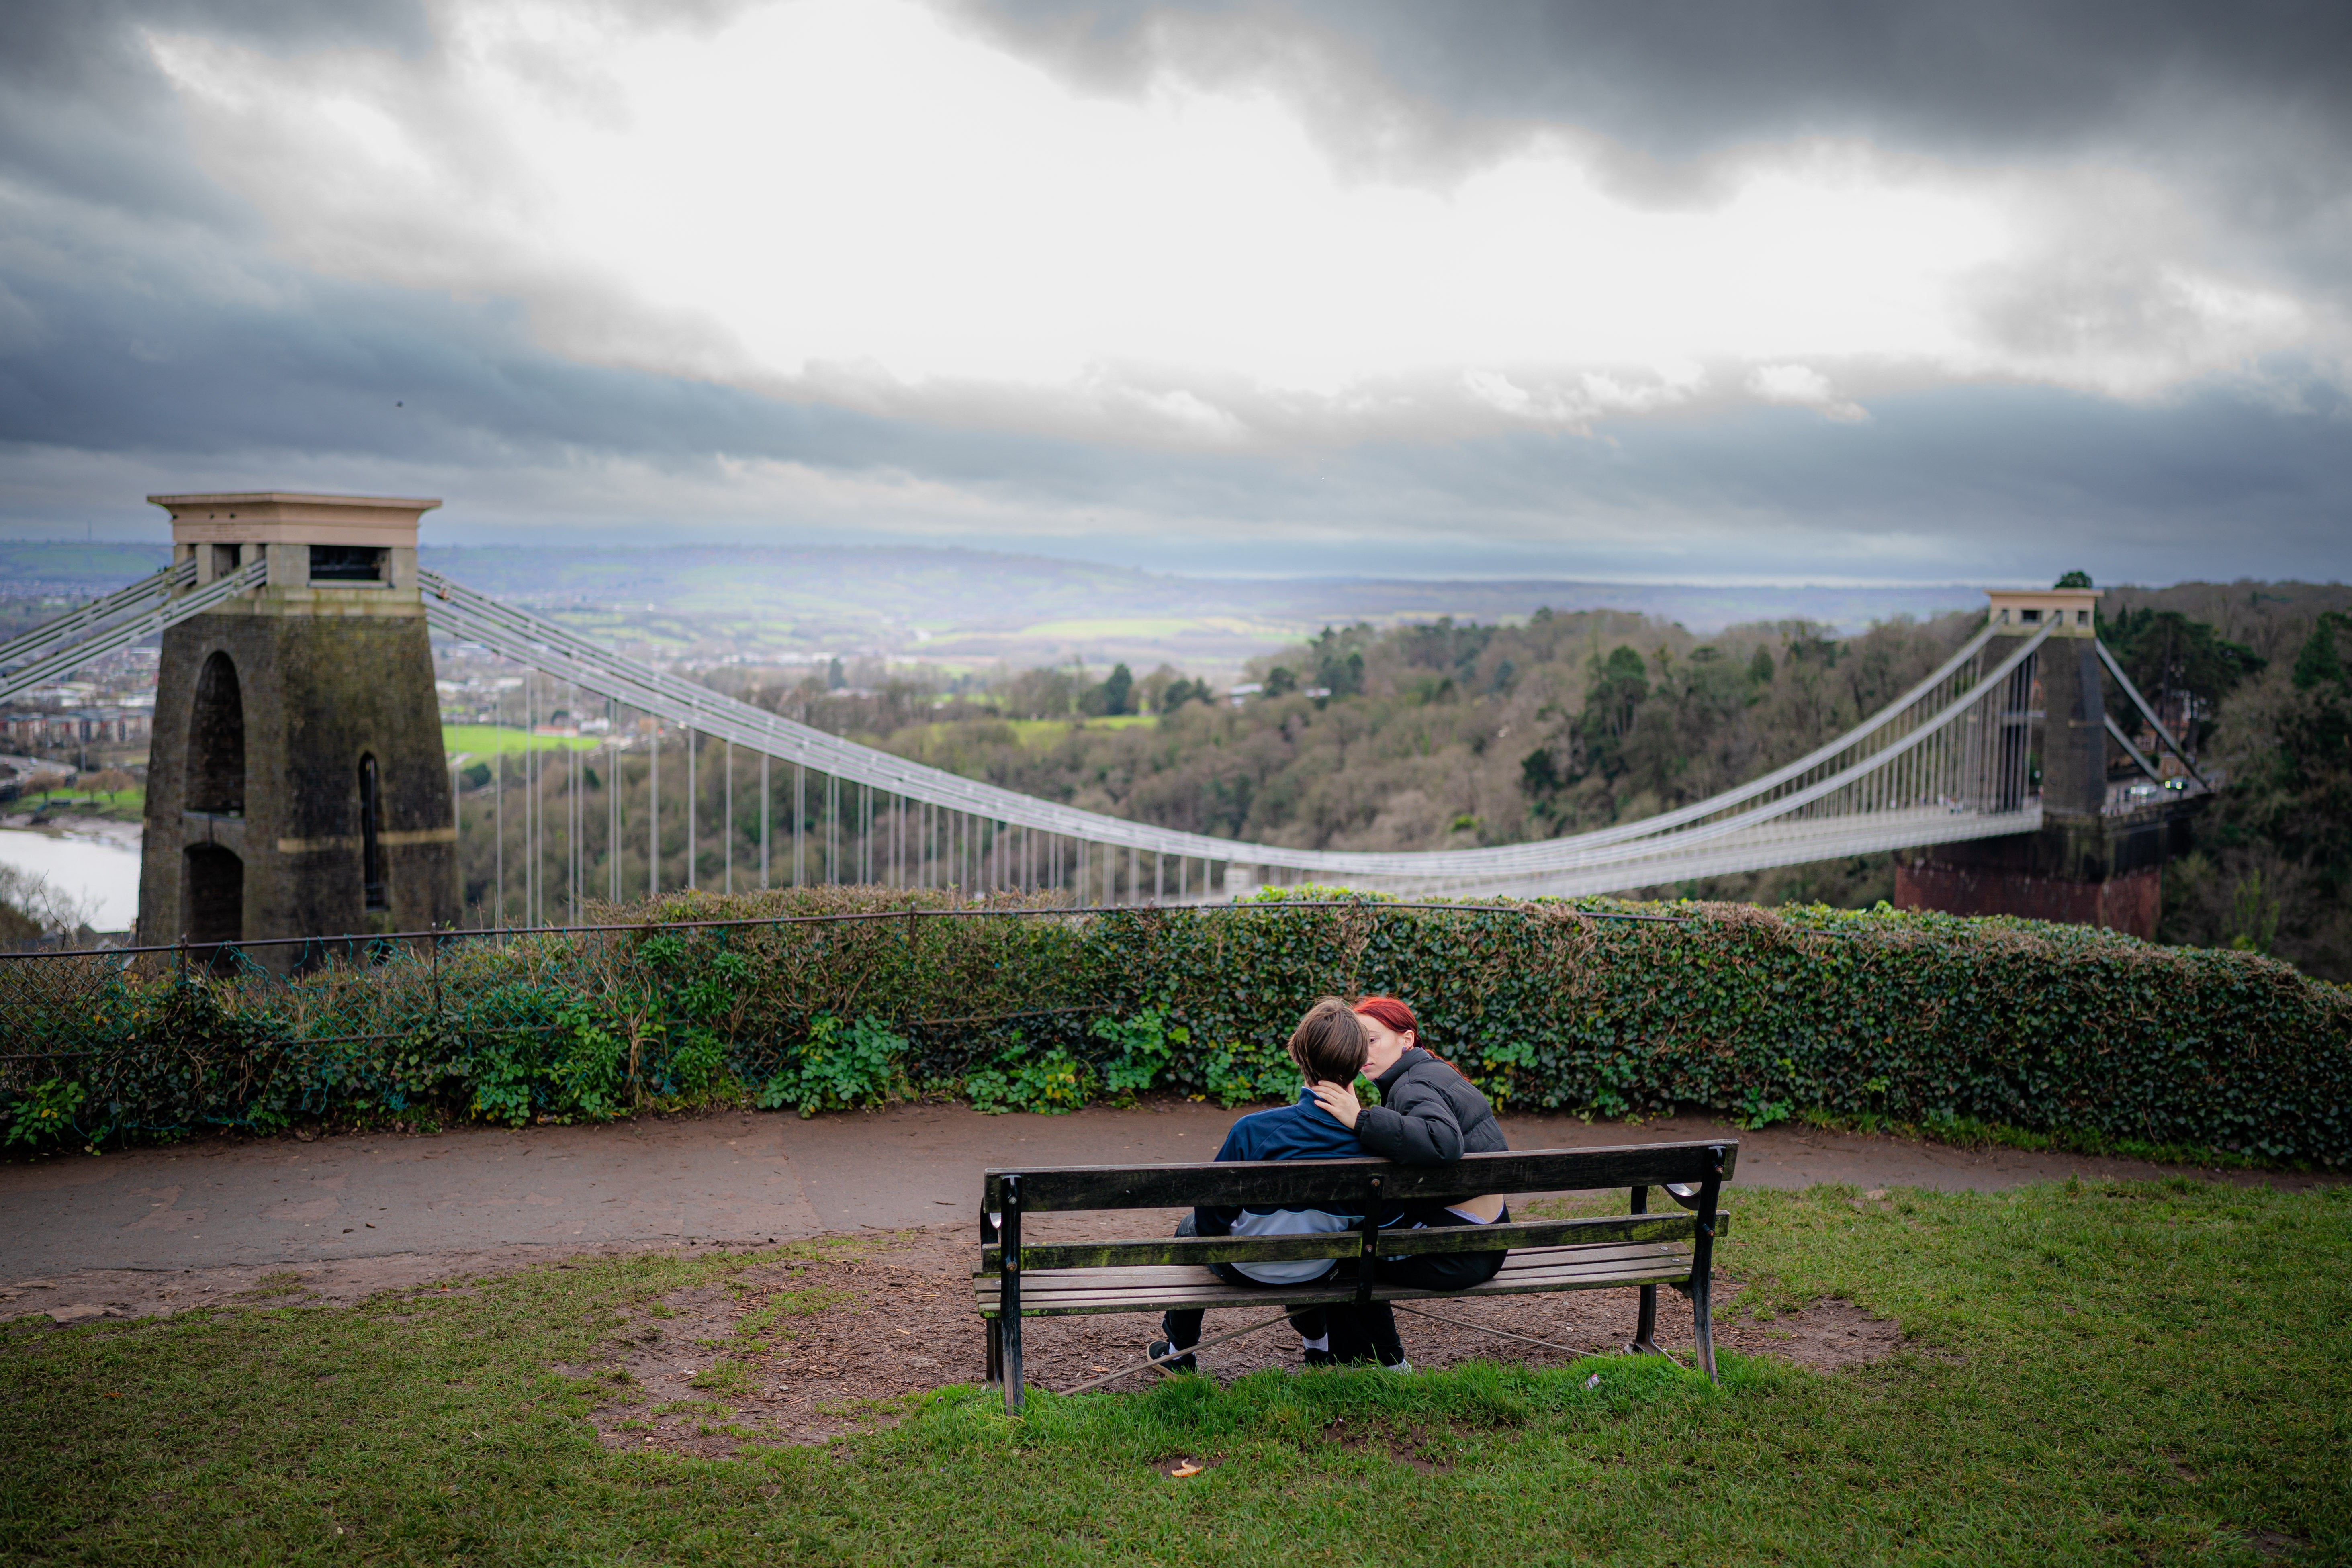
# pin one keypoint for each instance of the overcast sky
(1799, 291)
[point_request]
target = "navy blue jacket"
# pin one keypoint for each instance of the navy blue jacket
(1304, 1131)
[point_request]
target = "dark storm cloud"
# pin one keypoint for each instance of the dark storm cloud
(1677, 79)
(84, 111)
(2250, 106)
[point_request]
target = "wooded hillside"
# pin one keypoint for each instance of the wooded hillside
(1449, 734)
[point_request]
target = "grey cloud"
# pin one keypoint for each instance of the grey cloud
(147, 341)
(2248, 106)
(293, 378)
(1679, 80)
(84, 111)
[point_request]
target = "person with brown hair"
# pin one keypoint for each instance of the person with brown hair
(1327, 1046)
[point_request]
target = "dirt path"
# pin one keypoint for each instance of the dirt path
(155, 1229)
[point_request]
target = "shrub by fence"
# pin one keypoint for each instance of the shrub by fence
(833, 998)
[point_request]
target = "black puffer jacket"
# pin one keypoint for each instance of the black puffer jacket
(1429, 1114)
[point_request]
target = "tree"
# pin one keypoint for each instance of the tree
(2273, 869)
(1620, 684)
(2168, 655)
(2320, 664)
(1151, 691)
(1039, 694)
(1114, 697)
(1338, 659)
(1180, 691)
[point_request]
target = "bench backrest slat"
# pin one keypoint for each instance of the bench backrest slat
(1306, 1183)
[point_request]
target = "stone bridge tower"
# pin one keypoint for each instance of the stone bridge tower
(2096, 861)
(296, 785)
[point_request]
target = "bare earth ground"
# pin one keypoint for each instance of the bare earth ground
(857, 1329)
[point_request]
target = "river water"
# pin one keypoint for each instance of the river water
(94, 860)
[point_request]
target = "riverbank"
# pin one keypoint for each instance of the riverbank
(93, 860)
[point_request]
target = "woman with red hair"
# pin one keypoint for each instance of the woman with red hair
(1429, 1114)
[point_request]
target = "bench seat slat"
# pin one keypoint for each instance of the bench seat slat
(1143, 1296)
(1034, 1281)
(1396, 1243)
(1307, 1183)
(1072, 1292)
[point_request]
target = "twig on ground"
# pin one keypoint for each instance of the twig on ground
(1490, 1329)
(1175, 1355)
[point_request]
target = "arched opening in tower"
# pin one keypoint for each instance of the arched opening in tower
(216, 741)
(372, 834)
(216, 903)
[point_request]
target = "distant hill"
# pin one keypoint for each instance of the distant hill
(970, 607)
(980, 607)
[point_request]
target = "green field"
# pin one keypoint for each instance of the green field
(487, 739)
(2093, 1374)
(121, 804)
(1045, 732)
(1042, 733)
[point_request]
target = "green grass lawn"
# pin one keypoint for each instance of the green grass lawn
(488, 740)
(2119, 1374)
(124, 804)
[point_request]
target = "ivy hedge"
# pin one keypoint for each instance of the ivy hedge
(1868, 1016)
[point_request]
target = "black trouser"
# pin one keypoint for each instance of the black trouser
(1365, 1332)
(1369, 1333)
(1184, 1325)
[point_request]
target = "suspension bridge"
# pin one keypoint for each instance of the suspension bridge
(1951, 760)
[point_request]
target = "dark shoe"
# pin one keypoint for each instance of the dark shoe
(1159, 1348)
(1319, 1358)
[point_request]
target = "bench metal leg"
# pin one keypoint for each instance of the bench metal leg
(1008, 1300)
(1010, 1330)
(995, 1353)
(1702, 1283)
(1705, 1326)
(1645, 1333)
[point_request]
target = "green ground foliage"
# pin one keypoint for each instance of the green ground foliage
(1871, 1016)
(2092, 1372)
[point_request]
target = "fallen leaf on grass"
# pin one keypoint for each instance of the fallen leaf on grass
(1189, 1468)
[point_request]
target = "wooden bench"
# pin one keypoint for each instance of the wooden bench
(1641, 1249)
